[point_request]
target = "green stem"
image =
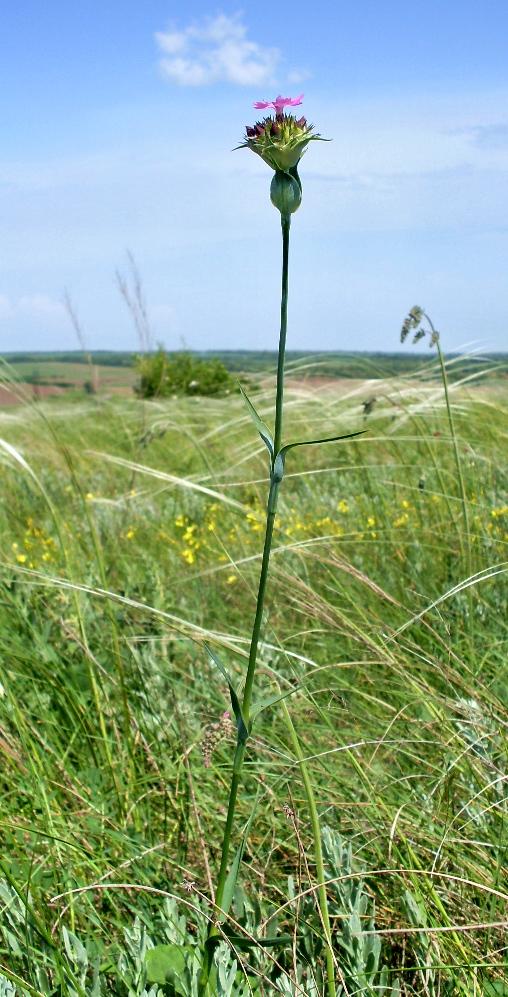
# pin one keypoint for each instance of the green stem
(213, 933)
(279, 400)
(467, 558)
(263, 578)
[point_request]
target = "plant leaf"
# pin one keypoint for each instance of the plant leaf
(229, 886)
(164, 963)
(264, 704)
(243, 728)
(280, 460)
(243, 942)
(263, 430)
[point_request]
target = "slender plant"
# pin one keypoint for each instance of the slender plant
(414, 321)
(280, 141)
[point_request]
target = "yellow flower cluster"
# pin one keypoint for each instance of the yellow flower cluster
(498, 526)
(35, 547)
(352, 518)
(190, 542)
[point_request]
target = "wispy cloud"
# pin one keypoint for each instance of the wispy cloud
(491, 136)
(215, 51)
(36, 306)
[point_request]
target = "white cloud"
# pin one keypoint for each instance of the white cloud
(36, 306)
(298, 76)
(215, 51)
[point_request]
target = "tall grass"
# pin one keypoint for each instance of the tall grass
(111, 587)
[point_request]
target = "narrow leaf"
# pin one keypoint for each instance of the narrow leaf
(242, 942)
(264, 704)
(263, 430)
(229, 886)
(280, 460)
(243, 730)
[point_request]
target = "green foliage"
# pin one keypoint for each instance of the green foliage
(161, 375)
(113, 579)
(358, 944)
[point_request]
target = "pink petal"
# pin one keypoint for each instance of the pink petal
(279, 103)
(287, 101)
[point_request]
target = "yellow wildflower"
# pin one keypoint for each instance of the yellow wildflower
(253, 522)
(402, 520)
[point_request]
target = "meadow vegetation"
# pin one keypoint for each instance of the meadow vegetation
(131, 538)
(161, 374)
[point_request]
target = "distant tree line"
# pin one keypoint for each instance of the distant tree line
(356, 364)
(106, 358)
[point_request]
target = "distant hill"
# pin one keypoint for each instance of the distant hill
(355, 364)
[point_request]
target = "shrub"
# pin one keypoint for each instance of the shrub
(162, 374)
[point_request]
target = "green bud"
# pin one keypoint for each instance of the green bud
(285, 193)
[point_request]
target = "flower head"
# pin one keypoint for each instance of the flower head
(281, 142)
(279, 104)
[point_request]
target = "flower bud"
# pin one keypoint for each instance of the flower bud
(285, 193)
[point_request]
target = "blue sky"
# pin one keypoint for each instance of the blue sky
(117, 124)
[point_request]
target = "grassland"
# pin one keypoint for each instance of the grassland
(131, 535)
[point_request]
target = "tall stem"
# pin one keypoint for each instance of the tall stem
(279, 400)
(271, 510)
(466, 551)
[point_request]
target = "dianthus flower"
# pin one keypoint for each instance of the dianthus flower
(280, 140)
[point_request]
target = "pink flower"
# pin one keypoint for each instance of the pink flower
(279, 104)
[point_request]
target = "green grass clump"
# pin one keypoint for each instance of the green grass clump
(131, 536)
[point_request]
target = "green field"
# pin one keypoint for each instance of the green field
(70, 373)
(131, 536)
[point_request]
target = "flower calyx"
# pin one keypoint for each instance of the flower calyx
(286, 191)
